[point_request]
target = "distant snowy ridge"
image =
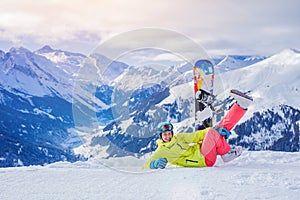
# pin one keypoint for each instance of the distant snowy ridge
(231, 62)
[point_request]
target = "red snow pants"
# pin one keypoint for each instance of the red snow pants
(214, 143)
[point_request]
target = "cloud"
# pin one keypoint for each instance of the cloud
(225, 25)
(148, 56)
(167, 57)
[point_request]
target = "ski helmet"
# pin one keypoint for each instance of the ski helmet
(164, 127)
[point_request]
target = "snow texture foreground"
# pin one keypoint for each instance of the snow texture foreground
(254, 175)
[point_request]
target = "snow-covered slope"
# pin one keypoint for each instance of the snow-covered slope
(232, 62)
(254, 175)
(273, 81)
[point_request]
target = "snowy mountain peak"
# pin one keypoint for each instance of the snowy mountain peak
(241, 60)
(30, 73)
(229, 59)
(231, 62)
(290, 50)
(15, 58)
(19, 50)
(295, 50)
(45, 49)
(285, 57)
(66, 60)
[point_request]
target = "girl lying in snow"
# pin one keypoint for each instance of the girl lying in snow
(200, 148)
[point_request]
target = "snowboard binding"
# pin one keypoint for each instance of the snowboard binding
(205, 98)
(204, 109)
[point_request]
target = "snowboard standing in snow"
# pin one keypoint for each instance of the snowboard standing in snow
(203, 88)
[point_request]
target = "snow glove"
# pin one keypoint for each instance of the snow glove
(159, 163)
(225, 132)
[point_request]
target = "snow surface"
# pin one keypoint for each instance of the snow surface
(254, 175)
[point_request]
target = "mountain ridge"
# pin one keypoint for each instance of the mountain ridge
(124, 118)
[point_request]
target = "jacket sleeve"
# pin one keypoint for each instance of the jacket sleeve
(159, 153)
(194, 137)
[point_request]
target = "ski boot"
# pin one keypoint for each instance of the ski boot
(233, 153)
(242, 99)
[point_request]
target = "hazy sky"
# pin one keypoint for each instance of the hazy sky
(260, 27)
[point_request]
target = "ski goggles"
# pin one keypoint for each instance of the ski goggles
(165, 128)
